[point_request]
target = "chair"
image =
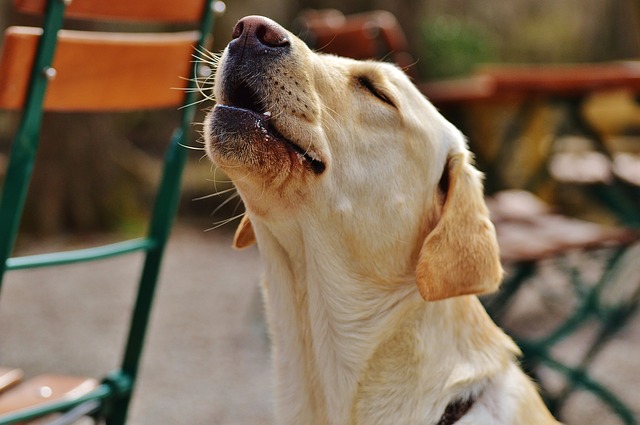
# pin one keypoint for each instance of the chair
(576, 282)
(375, 34)
(54, 69)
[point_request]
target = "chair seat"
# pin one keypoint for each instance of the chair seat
(528, 230)
(43, 389)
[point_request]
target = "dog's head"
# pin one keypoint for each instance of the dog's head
(353, 148)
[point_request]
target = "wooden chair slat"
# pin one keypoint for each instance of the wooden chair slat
(100, 71)
(127, 10)
(528, 229)
(44, 389)
(9, 377)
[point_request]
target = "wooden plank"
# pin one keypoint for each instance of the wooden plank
(528, 230)
(98, 71)
(459, 91)
(566, 79)
(44, 389)
(138, 10)
(9, 377)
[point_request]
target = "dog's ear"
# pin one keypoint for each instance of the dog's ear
(244, 236)
(460, 256)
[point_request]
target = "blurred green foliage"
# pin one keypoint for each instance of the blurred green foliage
(453, 46)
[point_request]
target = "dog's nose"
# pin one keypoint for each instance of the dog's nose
(260, 32)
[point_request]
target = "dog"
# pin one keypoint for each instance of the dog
(371, 222)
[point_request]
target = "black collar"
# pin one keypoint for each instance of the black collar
(455, 410)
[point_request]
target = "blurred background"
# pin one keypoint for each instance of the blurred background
(445, 38)
(207, 358)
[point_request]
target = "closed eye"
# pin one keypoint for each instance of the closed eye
(367, 84)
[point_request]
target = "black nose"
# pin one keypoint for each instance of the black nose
(260, 32)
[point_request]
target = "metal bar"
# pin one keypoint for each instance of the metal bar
(577, 376)
(100, 393)
(164, 212)
(80, 255)
(25, 143)
(588, 307)
(78, 412)
(582, 379)
(611, 320)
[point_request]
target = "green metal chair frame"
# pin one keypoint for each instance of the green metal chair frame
(111, 398)
(592, 307)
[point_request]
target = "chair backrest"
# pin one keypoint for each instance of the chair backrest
(64, 70)
(99, 71)
(370, 35)
(55, 69)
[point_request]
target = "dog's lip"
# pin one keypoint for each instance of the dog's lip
(265, 122)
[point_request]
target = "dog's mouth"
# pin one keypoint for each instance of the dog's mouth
(242, 98)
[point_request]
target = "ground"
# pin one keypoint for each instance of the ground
(206, 360)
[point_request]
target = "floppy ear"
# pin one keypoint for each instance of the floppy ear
(244, 236)
(460, 256)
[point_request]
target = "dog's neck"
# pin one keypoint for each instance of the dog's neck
(328, 324)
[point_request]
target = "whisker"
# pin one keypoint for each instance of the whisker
(193, 103)
(223, 222)
(217, 193)
(209, 54)
(193, 148)
(235, 209)
(225, 202)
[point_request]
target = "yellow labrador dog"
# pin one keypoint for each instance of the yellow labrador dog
(371, 221)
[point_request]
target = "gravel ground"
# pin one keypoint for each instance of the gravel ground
(206, 359)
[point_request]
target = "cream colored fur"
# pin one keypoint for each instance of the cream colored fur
(373, 265)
